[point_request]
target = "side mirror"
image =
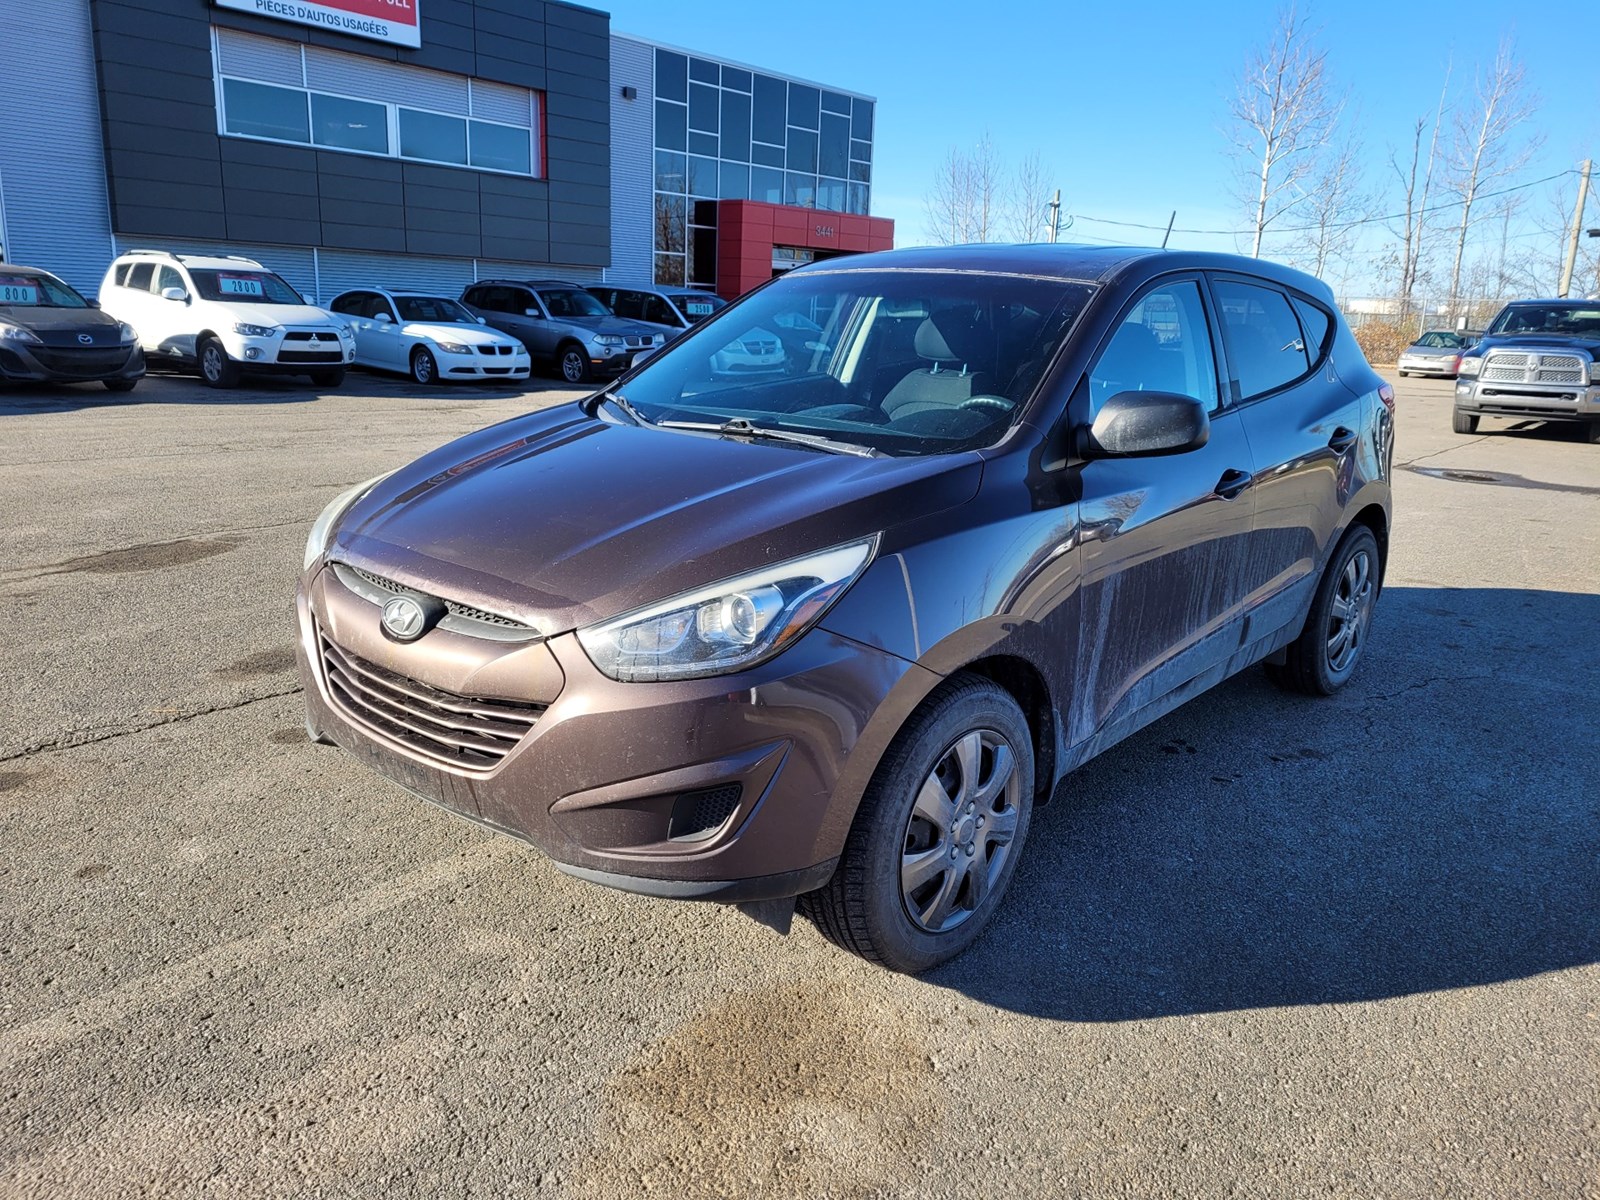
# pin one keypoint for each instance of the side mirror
(174, 294)
(534, 313)
(93, 303)
(1138, 424)
(483, 320)
(382, 318)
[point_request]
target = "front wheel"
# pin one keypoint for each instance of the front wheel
(1462, 422)
(1322, 659)
(120, 385)
(328, 379)
(937, 837)
(1592, 433)
(424, 369)
(574, 364)
(216, 368)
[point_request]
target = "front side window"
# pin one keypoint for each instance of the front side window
(1163, 344)
(244, 286)
(1265, 345)
(168, 277)
(901, 362)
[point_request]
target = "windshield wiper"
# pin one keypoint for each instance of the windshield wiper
(626, 406)
(738, 427)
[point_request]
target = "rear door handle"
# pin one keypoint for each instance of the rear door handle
(1233, 482)
(1342, 440)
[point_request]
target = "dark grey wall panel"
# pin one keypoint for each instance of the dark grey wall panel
(171, 174)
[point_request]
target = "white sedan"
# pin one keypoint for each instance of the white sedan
(428, 337)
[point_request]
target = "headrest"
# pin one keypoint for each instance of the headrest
(944, 337)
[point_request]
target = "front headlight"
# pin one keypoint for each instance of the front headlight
(1470, 365)
(728, 626)
(16, 333)
(347, 333)
(609, 340)
(1594, 372)
(245, 329)
(322, 527)
(453, 347)
(126, 332)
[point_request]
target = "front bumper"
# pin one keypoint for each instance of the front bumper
(1543, 402)
(485, 366)
(611, 774)
(278, 355)
(1428, 366)
(23, 362)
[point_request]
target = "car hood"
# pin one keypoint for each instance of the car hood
(61, 326)
(472, 335)
(1553, 342)
(610, 324)
(298, 316)
(559, 519)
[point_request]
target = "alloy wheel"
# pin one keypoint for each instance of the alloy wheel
(211, 363)
(960, 831)
(572, 366)
(1350, 613)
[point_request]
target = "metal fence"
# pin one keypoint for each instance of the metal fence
(1422, 313)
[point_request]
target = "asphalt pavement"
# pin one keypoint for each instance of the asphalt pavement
(1269, 947)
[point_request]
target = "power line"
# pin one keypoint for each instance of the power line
(1337, 225)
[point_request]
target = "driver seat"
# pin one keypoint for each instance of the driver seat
(949, 344)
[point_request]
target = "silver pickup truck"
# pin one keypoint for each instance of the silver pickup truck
(1539, 360)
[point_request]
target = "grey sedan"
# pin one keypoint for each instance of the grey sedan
(1434, 353)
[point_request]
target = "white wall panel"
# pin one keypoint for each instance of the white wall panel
(632, 162)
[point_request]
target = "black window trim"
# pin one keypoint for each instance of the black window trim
(1290, 294)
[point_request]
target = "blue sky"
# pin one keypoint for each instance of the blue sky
(1127, 104)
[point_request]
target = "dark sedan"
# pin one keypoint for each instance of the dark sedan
(51, 334)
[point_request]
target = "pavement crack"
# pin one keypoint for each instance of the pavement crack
(83, 737)
(1446, 450)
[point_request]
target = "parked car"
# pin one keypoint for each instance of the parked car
(834, 634)
(1538, 359)
(562, 325)
(428, 337)
(51, 334)
(674, 309)
(1434, 353)
(223, 317)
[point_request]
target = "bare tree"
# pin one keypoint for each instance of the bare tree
(1282, 113)
(1029, 201)
(964, 204)
(1484, 146)
(1334, 210)
(1416, 192)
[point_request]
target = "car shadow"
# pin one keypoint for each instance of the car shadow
(1434, 826)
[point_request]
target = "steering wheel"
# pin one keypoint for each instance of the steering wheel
(999, 402)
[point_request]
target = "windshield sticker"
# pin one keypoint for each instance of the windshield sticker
(698, 308)
(240, 285)
(18, 289)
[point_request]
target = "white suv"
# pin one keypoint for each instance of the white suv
(224, 316)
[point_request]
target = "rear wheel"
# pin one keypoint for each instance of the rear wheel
(1323, 658)
(424, 369)
(216, 368)
(573, 363)
(120, 385)
(1463, 422)
(936, 839)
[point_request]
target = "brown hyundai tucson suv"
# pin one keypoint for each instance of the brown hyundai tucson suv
(832, 634)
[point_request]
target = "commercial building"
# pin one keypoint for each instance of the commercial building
(421, 143)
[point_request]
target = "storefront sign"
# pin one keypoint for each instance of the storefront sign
(392, 21)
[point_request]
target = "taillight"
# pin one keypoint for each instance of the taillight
(1386, 394)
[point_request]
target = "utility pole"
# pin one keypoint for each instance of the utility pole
(1577, 230)
(1055, 217)
(1168, 233)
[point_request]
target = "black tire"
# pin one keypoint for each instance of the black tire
(1463, 422)
(1311, 664)
(866, 908)
(120, 385)
(572, 364)
(424, 367)
(1404, 374)
(328, 379)
(216, 368)
(1592, 433)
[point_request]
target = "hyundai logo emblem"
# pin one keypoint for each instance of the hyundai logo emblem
(86, 338)
(404, 619)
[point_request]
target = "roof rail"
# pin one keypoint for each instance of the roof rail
(151, 253)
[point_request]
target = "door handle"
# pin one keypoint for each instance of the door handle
(1342, 440)
(1232, 483)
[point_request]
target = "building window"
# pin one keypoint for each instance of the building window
(495, 127)
(726, 133)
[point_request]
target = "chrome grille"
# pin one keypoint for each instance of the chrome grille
(1560, 368)
(461, 731)
(760, 346)
(454, 607)
(1515, 366)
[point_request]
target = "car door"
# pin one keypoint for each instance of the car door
(134, 304)
(352, 310)
(1162, 539)
(390, 346)
(1303, 425)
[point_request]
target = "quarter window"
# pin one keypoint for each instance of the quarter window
(1316, 323)
(1265, 345)
(1162, 345)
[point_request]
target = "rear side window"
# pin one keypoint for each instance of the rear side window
(349, 303)
(139, 277)
(1316, 324)
(1265, 345)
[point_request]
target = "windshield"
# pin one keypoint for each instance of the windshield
(906, 362)
(572, 302)
(245, 285)
(697, 306)
(1581, 320)
(37, 291)
(433, 308)
(1440, 341)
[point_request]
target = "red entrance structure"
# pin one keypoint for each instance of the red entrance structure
(756, 241)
